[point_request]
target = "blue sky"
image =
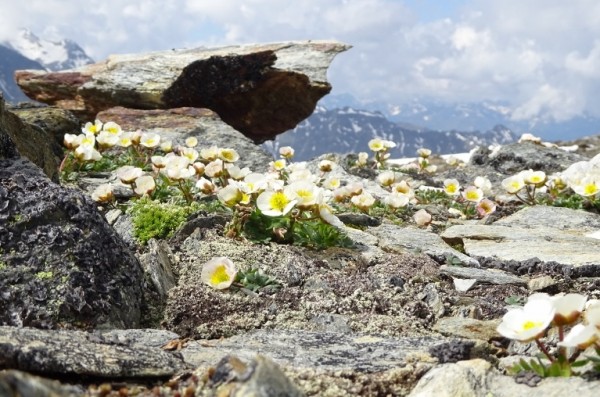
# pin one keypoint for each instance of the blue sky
(541, 58)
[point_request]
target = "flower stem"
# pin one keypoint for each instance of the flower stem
(544, 350)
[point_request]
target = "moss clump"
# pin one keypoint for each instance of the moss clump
(44, 275)
(152, 219)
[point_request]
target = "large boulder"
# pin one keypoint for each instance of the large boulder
(261, 90)
(61, 264)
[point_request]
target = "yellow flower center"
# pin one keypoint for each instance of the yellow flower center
(451, 188)
(304, 194)
(278, 201)
(472, 195)
(219, 275)
(531, 324)
(590, 189)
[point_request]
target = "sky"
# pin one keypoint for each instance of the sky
(541, 58)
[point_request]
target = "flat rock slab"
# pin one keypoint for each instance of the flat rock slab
(327, 352)
(398, 239)
(261, 89)
(83, 354)
(469, 328)
(486, 276)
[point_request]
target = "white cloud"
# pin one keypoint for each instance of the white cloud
(541, 56)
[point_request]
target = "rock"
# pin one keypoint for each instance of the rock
(260, 377)
(469, 328)
(29, 141)
(76, 353)
(540, 283)
(497, 277)
(260, 90)
(20, 384)
(157, 265)
(54, 121)
(558, 235)
(179, 124)
(376, 296)
(477, 378)
(61, 264)
(312, 358)
(398, 239)
(463, 285)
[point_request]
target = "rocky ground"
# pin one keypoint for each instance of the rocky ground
(407, 310)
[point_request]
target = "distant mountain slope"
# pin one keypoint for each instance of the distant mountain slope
(27, 51)
(349, 130)
(11, 60)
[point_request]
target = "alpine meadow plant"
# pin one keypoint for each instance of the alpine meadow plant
(577, 324)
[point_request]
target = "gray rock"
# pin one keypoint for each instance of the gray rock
(62, 264)
(317, 350)
(477, 378)
(574, 221)
(463, 285)
(394, 238)
(157, 264)
(468, 328)
(540, 283)
(261, 90)
(20, 384)
(177, 125)
(76, 353)
(487, 276)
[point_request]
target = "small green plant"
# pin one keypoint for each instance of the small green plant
(152, 219)
(255, 280)
(44, 275)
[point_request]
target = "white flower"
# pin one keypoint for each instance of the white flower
(230, 195)
(128, 173)
(275, 203)
(484, 184)
(92, 128)
(144, 185)
(214, 169)
(326, 212)
(581, 336)
(107, 139)
(451, 187)
(363, 157)
(587, 186)
(236, 172)
(87, 139)
(473, 194)
(531, 177)
(485, 207)
(326, 165)
(277, 165)
(592, 313)
(255, 182)
(87, 153)
(389, 144)
(166, 146)
(568, 308)
(112, 128)
(301, 174)
(287, 152)
(529, 322)
(205, 186)
(304, 192)
(424, 153)
(209, 154)
(71, 141)
(396, 200)
(386, 178)
(150, 140)
(125, 140)
(229, 155)
(376, 145)
(103, 193)
(404, 188)
(191, 141)
(363, 201)
(513, 184)
(178, 167)
(331, 183)
(190, 153)
(422, 217)
(218, 273)
(159, 161)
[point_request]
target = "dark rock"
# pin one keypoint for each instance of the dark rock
(28, 140)
(61, 264)
(453, 351)
(21, 384)
(56, 122)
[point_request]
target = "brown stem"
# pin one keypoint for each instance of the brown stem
(544, 350)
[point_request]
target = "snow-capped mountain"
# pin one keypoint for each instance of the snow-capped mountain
(348, 130)
(53, 55)
(27, 51)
